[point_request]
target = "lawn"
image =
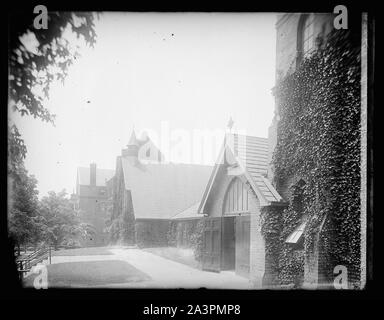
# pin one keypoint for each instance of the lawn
(91, 251)
(181, 255)
(89, 273)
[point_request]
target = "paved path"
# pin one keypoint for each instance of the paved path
(164, 272)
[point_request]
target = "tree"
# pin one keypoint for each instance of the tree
(32, 71)
(16, 153)
(59, 220)
(23, 209)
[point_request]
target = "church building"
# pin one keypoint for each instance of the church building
(148, 192)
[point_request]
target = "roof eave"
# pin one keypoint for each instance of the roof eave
(212, 178)
(275, 203)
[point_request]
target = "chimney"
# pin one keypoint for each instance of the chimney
(92, 175)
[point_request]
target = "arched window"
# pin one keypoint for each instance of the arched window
(236, 198)
(305, 36)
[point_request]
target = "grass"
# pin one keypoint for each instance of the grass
(184, 256)
(89, 273)
(90, 251)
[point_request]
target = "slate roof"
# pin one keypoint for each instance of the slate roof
(253, 152)
(189, 213)
(250, 154)
(162, 190)
(102, 175)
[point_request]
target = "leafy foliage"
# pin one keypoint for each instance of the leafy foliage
(23, 209)
(151, 233)
(197, 239)
(59, 222)
(32, 72)
(187, 233)
(319, 141)
(16, 153)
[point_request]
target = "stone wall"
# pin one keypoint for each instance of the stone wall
(286, 60)
(316, 265)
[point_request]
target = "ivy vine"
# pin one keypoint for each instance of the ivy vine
(319, 141)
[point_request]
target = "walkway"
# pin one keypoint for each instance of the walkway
(164, 273)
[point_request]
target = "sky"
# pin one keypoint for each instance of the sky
(173, 75)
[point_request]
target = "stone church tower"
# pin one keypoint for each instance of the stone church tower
(297, 35)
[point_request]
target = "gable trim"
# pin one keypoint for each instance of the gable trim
(212, 178)
(260, 196)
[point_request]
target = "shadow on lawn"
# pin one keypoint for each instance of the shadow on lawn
(89, 273)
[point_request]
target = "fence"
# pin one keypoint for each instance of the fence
(26, 262)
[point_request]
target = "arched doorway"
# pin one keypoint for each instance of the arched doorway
(226, 243)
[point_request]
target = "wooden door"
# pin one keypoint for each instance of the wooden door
(228, 244)
(243, 232)
(212, 244)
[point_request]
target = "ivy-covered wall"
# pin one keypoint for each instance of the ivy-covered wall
(187, 234)
(318, 142)
(151, 232)
(122, 221)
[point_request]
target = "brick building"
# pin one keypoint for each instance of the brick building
(297, 37)
(90, 200)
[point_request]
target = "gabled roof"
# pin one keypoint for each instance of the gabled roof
(102, 176)
(189, 213)
(250, 155)
(161, 190)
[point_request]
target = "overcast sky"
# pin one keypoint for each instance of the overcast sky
(151, 71)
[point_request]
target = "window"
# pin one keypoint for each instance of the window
(305, 37)
(296, 236)
(308, 38)
(298, 204)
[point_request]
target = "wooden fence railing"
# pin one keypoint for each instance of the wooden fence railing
(26, 262)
